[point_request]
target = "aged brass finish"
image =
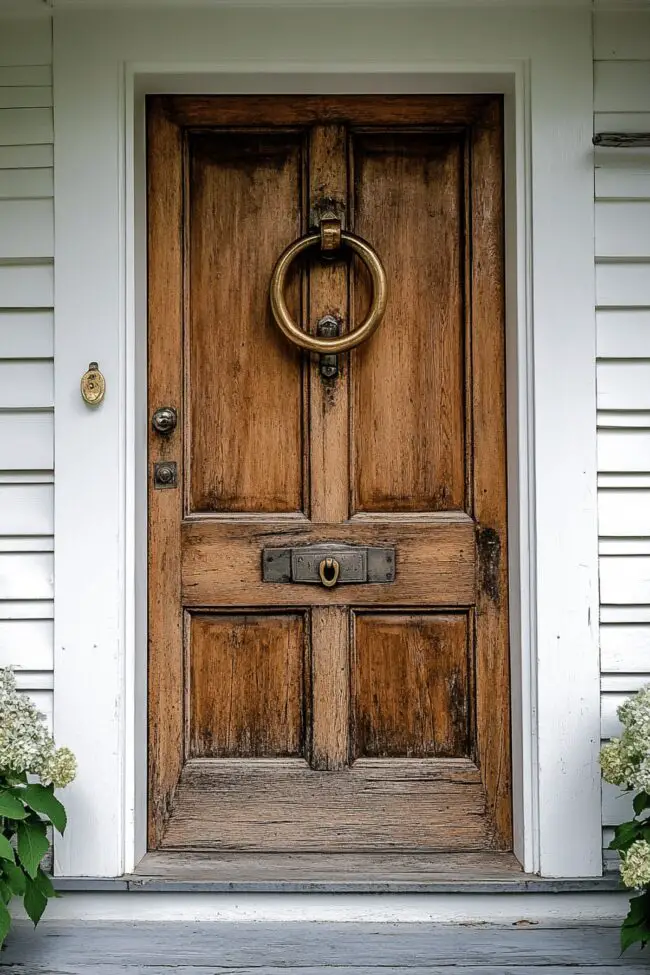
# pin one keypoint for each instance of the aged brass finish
(328, 571)
(164, 419)
(342, 343)
(328, 364)
(165, 474)
(93, 385)
(330, 233)
(357, 564)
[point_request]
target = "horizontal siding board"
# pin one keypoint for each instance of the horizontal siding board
(624, 614)
(27, 644)
(610, 726)
(623, 229)
(26, 41)
(26, 385)
(26, 609)
(27, 286)
(622, 84)
(617, 806)
(624, 546)
(26, 509)
(623, 285)
(613, 419)
(26, 184)
(26, 229)
(26, 543)
(34, 680)
(625, 580)
(623, 184)
(39, 96)
(624, 513)
(622, 35)
(622, 122)
(27, 441)
(26, 126)
(26, 157)
(624, 450)
(624, 385)
(26, 334)
(25, 75)
(26, 575)
(625, 648)
(622, 334)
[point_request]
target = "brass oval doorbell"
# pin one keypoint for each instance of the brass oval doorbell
(93, 385)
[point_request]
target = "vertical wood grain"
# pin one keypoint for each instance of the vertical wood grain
(246, 686)
(329, 435)
(165, 351)
(408, 419)
(245, 385)
(490, 502)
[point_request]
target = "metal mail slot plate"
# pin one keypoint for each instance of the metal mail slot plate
(357, 563)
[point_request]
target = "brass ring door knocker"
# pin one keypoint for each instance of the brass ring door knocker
(328, 571)
(329, 238)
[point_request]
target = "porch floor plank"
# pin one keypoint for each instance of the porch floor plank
(212, 948)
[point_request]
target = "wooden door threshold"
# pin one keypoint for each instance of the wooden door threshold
(344, 873)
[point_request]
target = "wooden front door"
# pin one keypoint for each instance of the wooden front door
(286, 715)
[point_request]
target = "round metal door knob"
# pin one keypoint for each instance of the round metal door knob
(164, 419)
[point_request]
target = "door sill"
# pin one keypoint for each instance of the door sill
(347, 873)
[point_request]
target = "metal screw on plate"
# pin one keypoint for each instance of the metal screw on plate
(165, 474)
(328, 327)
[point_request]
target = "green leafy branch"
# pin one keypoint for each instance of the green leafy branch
(636, 926)
(26, 811)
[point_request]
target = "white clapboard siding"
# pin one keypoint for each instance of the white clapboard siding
(623, 285)
(26, 126)
(625, 580)
(623, 229)
(26, 41)
(622, 35)
(624, 546)
(610, 726)
(620, 418)
(26, 441)
(617, 805)
(26, 334)
(26, 644)
(621, 334)
(624, 513)
(26, 229)
(26, 76)
(624, 450)
(622, 83)
(624, 481)
(26, 97)
(26, 384)
(639, 613)
(625, 648)
(617, 182)
(26, 157)
(30, 609)
(26, 575)
(624, 385)
(26, 509)
(27, 286)
(26, 184)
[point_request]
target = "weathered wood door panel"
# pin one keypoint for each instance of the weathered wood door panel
(370, 716)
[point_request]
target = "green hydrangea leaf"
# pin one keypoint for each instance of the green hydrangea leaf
(35, 901)
(10, 807)
(641, 802)
(43, 800)
(44, 884)
(6, 849)
(5, 923)
(625, 835)
(6, 892)
(32, 846)
(14, 876)
(634, 934)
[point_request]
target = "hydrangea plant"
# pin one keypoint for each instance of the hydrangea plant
(625, 762)
(31, 768)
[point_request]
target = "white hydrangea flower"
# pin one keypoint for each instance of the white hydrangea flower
(25, 744)
(625, 761)
(635, 865)
(612, 762)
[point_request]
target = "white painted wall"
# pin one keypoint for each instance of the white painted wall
(622, 193)
(26, 350)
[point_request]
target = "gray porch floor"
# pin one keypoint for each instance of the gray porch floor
(205, 948)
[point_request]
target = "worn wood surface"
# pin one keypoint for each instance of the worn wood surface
(207, 948)
(405, 447)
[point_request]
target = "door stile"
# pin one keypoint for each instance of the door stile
(330, 477)
(490, 492)
(165, 366)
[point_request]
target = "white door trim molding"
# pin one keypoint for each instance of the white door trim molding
(104, 63)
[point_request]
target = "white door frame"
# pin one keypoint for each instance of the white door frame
(104, 63)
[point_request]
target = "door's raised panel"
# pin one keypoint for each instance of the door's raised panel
(408, 381)
(246, 686)
(411, 686)
(245, 380)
